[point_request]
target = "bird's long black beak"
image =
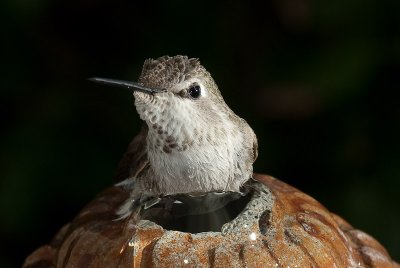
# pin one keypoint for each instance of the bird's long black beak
(126, 84)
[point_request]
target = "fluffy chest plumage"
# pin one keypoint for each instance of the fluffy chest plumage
(195, 160)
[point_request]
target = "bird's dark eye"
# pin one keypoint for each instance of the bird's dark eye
(194, 91)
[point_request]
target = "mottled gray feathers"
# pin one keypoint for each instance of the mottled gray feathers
(166, 71)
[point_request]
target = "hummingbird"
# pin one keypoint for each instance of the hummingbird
(191, 144)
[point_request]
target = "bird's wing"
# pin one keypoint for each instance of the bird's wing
(251, 141)
(135, 159)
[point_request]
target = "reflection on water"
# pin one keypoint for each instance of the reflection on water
(195, 214)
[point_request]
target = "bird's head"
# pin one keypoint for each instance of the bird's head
(179, 101)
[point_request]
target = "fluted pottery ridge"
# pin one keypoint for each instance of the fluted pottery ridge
(279, 227)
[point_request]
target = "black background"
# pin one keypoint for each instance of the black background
(317, 80)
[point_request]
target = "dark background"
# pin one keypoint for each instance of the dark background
(317, 80)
